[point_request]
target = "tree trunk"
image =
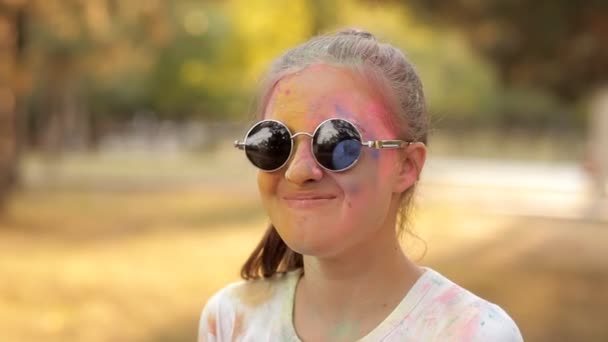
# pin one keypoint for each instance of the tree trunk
(11, 47)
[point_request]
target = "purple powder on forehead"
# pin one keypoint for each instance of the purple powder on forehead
(342, 112)
(346, 114)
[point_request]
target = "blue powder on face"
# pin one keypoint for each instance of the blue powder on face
(353, 189)
(375, 153)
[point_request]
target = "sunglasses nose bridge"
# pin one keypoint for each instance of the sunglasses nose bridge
(294, 148)
(293, 140)
(301, 133)
(294, 145)
(302, 161)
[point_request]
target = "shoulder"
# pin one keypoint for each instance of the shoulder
(494, 324)
(226, 312)
(252, 293)
(466, 316)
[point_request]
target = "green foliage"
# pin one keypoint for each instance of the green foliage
(560, 45)
(202, 59)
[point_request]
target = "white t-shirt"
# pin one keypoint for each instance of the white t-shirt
(435, 309)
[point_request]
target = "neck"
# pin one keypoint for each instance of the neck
(367, 280)
(362, 272)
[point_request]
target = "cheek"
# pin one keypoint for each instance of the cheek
(386, 164)
(359, 190)
(371, 181)
(352, 193)
(267, 184)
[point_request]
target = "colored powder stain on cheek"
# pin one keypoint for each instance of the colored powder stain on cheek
(375, 153)
(353, 189)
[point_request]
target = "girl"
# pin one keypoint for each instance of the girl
(340, 148)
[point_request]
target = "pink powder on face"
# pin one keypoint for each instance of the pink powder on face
(378, 110)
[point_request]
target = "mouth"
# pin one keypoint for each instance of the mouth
(307, 201)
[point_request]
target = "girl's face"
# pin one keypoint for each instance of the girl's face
(318, 212)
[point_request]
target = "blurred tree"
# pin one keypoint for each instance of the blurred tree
(13, 83)
(560, 45)
(460, 86)
(89, 58)
(96, 62)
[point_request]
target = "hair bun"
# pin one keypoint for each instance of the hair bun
(357, 32)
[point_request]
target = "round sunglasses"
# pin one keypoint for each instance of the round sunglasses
(336, 144)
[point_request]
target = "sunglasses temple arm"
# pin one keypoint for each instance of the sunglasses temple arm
(379, 144)
(239, 145)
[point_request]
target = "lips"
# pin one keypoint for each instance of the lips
(308, 200)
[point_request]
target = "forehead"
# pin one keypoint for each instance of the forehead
(304, 99)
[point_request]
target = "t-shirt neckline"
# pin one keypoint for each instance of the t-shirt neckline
(409, 302)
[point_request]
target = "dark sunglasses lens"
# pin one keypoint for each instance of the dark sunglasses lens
(336, 145)
(268, 145)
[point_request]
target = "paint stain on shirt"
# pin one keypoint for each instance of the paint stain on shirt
(238, 325)
(212, 325)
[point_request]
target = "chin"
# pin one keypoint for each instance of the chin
(310, 236)
(319, 249)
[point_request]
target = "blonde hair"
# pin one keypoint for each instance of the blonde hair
(391, 77)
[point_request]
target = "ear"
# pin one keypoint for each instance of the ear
(410, 166)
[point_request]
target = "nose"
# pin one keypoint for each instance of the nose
(302, 167)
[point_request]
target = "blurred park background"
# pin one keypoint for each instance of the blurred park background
(124, 206)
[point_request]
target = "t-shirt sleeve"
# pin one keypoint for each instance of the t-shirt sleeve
(495, 324)
(217, 321)
(207, 328)
(480, 322)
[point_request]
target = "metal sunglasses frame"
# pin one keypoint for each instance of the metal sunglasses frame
(376, 144)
